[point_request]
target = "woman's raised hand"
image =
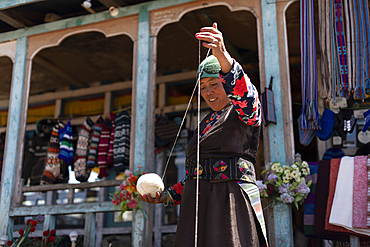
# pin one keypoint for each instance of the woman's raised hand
(214, 40)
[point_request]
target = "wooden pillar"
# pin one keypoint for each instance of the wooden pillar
(142, 116)
(13, 133)
(90, 226)
(283, 231)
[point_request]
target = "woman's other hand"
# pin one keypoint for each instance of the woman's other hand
(214, 40)
(160, 198)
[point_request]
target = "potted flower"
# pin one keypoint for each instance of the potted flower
(127, 197)
(49, 237)
(285, 183)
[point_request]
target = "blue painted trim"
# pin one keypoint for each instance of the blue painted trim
(272, 68)
(80, 208)
(282, 213)
(283, 225)
(143, 93)
(87, 19)
(13, 133)
(14, 3)
(142, 89)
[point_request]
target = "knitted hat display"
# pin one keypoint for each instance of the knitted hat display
(367, 120)
(103, 148)
(66, 143)
(52, 166)
(83, 142)
(211, 67)
(121, 146)
(327, 125)
(92, 158)
(333, 153)
(305, 135)
(110, 159)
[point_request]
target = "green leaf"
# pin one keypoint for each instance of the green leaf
(263, 172)
(296, 204)
(309, 183)
(292, 187)
(278, 198)
(265, 194)
(298, 198)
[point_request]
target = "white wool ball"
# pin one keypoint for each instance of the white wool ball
(149, 183)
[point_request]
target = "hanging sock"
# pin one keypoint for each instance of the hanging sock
(53, 165)
(66, 144)
(110, 159)
(121, 147)
(92, 158)
(81, 172)
(103, 148)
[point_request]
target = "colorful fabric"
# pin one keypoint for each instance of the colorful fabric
(359, 190)
(368, 191)
(334, 168)
(93, 152)
(310, 113)
(322, 192)
(309, 203)
(342, 208)
(341, 48)
(83, 142)
(66, 143)
(121, 144)
(34, 164)
(243, 94)
(103, 148)
(53, 163)
(110, 157)
(254, 197)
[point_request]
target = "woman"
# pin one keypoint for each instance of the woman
(229, 139)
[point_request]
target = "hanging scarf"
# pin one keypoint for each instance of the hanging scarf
(310, 114)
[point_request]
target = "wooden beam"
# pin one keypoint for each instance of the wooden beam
(84, 185)
(81, 232)
(109, 3)
(4, 4)
(57, 71)
(12, 22)
(87, 19)
(80, 208)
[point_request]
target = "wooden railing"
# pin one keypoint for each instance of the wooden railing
(92, 232)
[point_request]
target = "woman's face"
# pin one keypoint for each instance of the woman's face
(213, 93)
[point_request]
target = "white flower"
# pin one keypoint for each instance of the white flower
(298, 179)
(304, 164)
(275, 166)
(286, 171)
(294, 166)
(285, 180)
(280, 169)
(289, 176)
(295, 174)
(304, 171)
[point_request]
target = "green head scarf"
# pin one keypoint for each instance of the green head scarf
(211, 67)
